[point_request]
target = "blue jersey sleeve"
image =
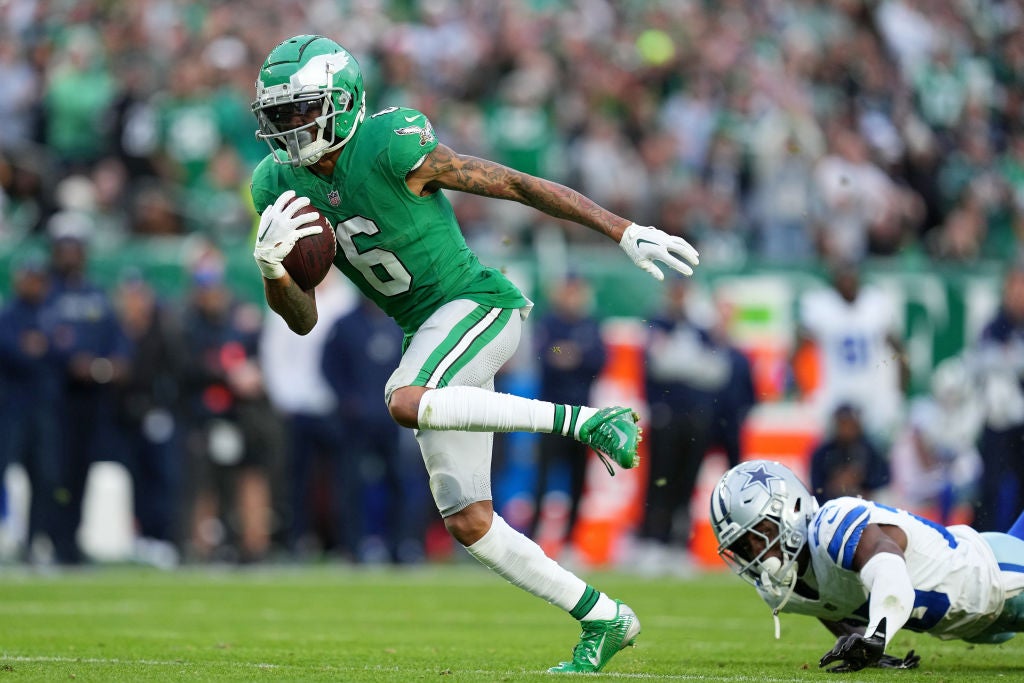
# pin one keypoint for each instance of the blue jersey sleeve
(838, 526)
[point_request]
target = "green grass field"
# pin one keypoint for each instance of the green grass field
(454, 622)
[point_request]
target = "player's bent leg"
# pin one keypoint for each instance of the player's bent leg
(473, 409)
(458, 465)
(1009, 553)
(450, 362)
(991, 636)
(444, 383)
(611, 432)
(404, 405)
(471, 523)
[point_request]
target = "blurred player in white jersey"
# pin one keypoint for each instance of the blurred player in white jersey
(866, 570)
(862, 362)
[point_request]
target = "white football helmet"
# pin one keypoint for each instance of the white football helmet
(745, 496)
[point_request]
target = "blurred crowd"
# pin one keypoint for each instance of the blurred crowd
(792, 132)
(243, 441)
(779, 130)
(240, 439)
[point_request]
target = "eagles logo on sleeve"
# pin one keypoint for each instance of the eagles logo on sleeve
(426, 131)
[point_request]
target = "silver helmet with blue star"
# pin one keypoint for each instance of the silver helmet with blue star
(757, 506)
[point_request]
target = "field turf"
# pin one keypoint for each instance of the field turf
(437, 623)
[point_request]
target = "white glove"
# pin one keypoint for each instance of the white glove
(645, 244)
(278, 233)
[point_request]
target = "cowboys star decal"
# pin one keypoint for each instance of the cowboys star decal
(759, 476)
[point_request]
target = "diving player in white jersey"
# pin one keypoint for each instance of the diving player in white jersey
(866, 570)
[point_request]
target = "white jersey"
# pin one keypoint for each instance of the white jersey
(291, 363)
(954, 572)
(857, 363)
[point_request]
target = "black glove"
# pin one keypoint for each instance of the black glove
(856, 652)
(889, 662)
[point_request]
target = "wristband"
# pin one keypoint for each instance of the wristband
(271, 271)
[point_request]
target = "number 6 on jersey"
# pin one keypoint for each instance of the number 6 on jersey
(382, 269)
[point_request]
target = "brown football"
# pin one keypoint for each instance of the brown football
(312, 256)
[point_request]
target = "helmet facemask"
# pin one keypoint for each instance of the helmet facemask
(307, 143)
(765, 569)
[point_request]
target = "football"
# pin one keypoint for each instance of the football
(312, 256)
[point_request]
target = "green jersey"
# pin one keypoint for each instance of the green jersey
(404, 252)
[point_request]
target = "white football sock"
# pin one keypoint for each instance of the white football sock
(522, 563)
(605, 608)
(473, 409)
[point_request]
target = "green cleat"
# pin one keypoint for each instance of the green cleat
(600, 641)
(613, 432)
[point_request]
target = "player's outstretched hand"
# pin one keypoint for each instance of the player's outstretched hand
(278, 232)
(855, 651)
(911, 661)
(645, 245)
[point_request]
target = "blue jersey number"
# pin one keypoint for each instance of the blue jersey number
(854, 351)
(929, 608)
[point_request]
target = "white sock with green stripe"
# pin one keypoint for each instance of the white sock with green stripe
(522, 563)
(472, 409)
(568, 419)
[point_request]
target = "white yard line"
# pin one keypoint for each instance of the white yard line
(382, 669)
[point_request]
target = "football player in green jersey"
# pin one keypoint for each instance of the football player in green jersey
(377, 179)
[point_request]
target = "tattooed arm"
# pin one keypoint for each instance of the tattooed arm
(443, 168)
(288, 300)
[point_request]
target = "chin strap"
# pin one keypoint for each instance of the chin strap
(782, 603)
(775, 611)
